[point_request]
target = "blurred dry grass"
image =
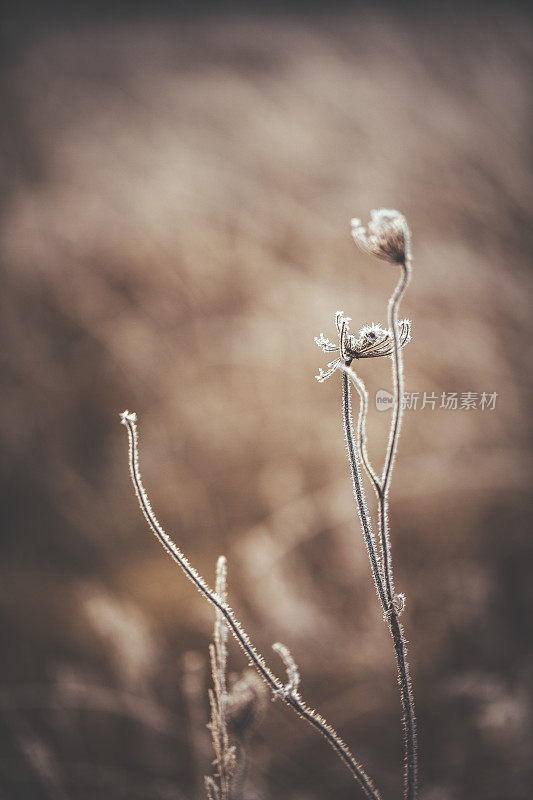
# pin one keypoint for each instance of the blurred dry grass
(176, 200)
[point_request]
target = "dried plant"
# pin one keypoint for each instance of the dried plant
(287, 692)
(388, 238)
(234, 712)
(219, 787)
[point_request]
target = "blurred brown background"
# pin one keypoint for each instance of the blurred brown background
(176, 194)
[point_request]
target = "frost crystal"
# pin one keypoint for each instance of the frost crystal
(373, 341)
(387, 237)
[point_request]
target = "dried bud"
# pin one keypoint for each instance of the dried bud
(291, 687)
(398, 601)
(387, 237)
(373, 341)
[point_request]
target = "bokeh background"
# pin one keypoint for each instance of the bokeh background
(177, 184)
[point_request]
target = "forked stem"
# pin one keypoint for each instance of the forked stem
(293, 698)
(375, 563)
(391, 614)
(381, 563)
(381, 556)
(361, 424)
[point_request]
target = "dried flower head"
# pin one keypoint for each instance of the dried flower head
(387, 237)
(373, 341)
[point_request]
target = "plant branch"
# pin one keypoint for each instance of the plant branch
(400, 646)
(408, 708)
(359, 492)
(397, 370)
(361, 424)
(294, 700)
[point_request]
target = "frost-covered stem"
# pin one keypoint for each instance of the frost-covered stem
(408, 707)
(381, 487)
(294, 700)
(221, 630)
(397, 369)
(218, 698)
(400, 648)
(361, 424)
(359, 492)
(396, 422)
(293, 673)
(376, 482)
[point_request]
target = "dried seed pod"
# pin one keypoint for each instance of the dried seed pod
(388, 235)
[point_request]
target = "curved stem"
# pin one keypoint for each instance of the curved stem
(361, 424)
(293, 700)
(396, 423)
(397, 372)
(400, 648)
(386, 590)
(376, 482)
(359, 492)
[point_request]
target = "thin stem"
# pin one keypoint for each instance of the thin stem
(361, 424)
(400, 645)
(218, 699)
(382, 490)
(359, 492)
(293, 673)
(396, 423)
(384, 538)
(376, 482)
(408, 707)
(397, 372)
(395, 627)
(294, 700)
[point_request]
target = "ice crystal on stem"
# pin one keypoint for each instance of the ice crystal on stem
(387, 238)
(293, 674)
(291, 698)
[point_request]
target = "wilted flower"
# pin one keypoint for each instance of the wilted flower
(387, 237)
(372, 341)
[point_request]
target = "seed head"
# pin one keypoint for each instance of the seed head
(387, 237)
(372, 341)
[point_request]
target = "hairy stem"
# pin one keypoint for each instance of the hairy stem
(396, 423)
(408, 708)
(397, 372)
(361, 424)
(359, 492)
(408, 711)
(383, 563)
(218, 698)
(294, 700)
